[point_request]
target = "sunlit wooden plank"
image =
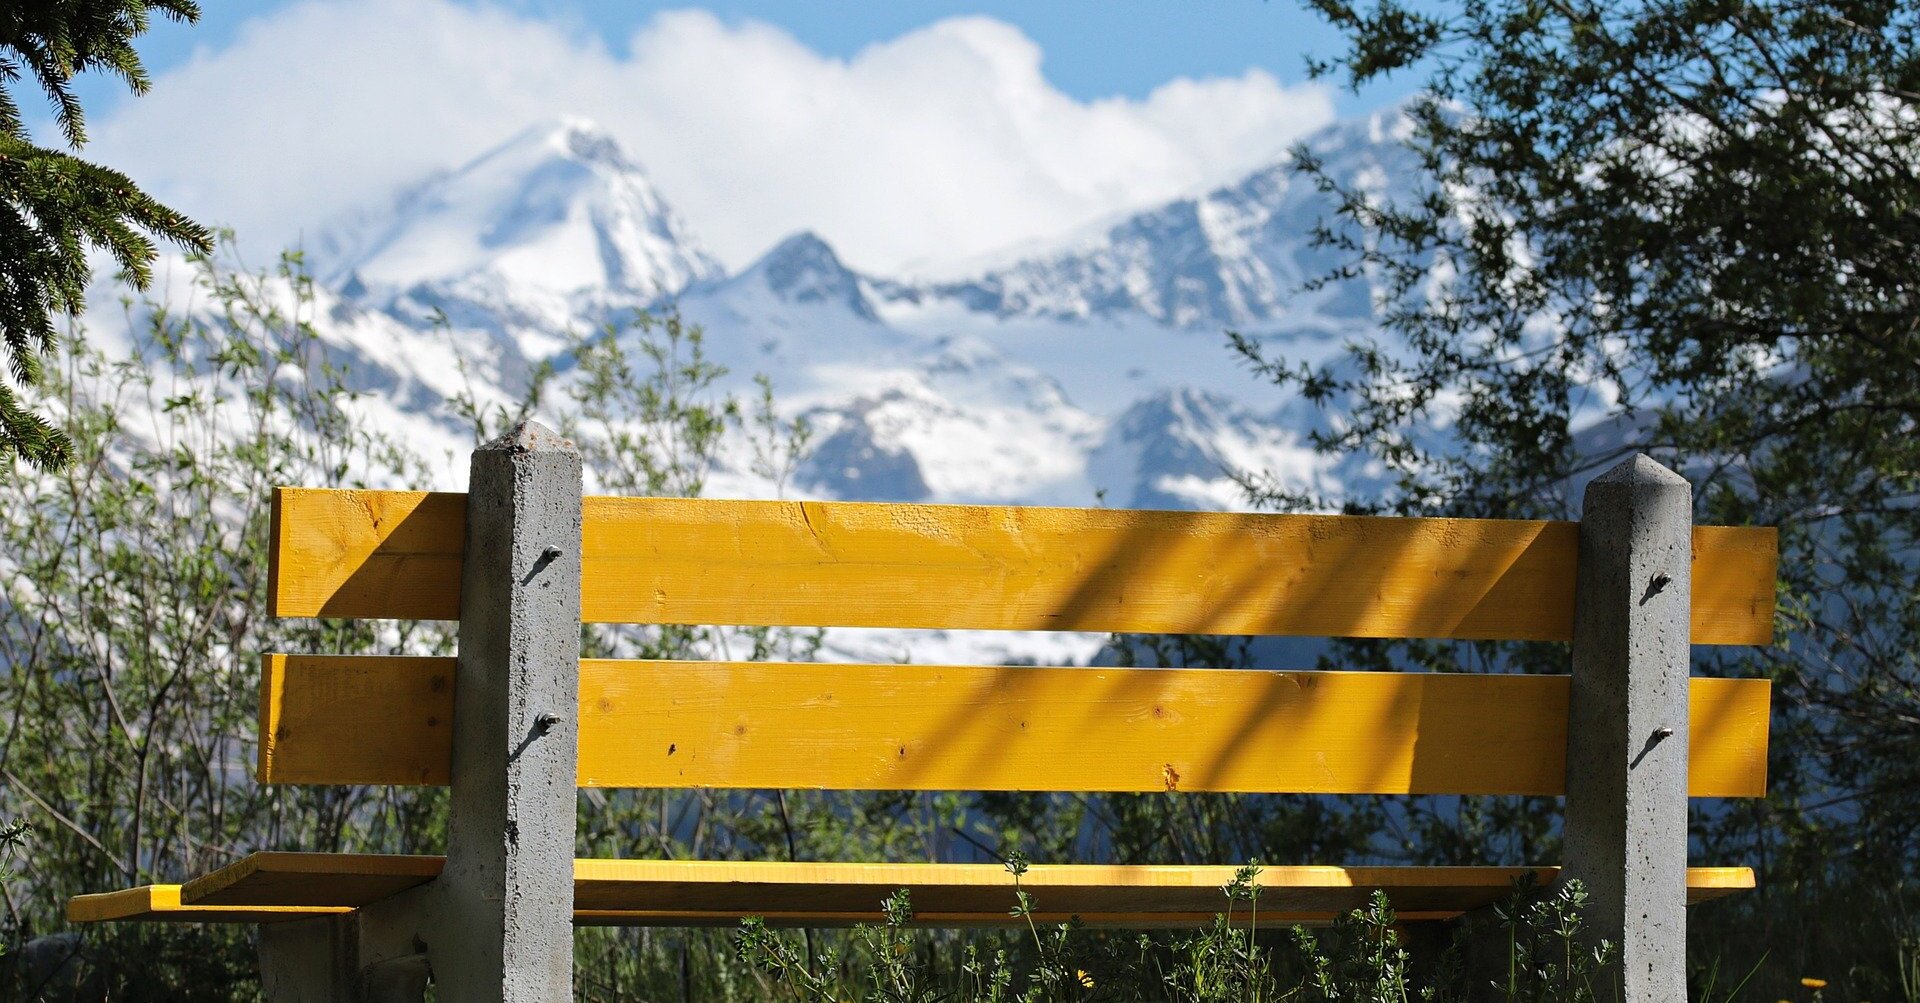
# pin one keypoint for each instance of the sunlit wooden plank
(381, 720)
(655, 560)
(368, 554)
(280, 878)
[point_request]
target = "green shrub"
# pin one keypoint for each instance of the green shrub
(1359, 957)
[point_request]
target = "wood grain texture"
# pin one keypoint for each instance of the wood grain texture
(366, 554)
(379, 554)
(380, 720)
(698, 892)
(399, 709)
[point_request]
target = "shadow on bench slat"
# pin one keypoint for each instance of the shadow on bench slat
(365, 719)
(396, 554)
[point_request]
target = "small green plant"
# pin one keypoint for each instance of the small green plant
(13, 836)
(1707, 993)
(1547, 960)
(1225, 962)
(1360, 957)
(1909, 969)
(1054, 976)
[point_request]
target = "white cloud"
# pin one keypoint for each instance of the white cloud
(944, 143)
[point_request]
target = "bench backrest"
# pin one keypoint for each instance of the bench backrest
(397, 555)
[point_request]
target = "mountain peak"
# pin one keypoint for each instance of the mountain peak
(577, 138)
(806, 245)
(559, 208)
(804, 268)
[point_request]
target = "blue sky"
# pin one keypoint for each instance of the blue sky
(1095, 48)
(904, 132)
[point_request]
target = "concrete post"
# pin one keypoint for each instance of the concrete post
(376, 954)
(390, 959)
(497, 925)
(1626, 813)
(503, 908)
(310, 960)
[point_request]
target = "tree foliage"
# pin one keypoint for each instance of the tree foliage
(1685, 227)
(54, 206)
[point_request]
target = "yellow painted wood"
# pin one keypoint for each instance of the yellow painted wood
(380, 720)
(161, 903)
(281, 878)
(696, 892)
(965, 920)
(399, 710)
(340, 553)
(655, 560)
(1727, 731)
(985, 891)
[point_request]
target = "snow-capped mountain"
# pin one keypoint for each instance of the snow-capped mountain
(1093, 369)
(554, 227)
(804, 269)
(957, 422)
(559, 209)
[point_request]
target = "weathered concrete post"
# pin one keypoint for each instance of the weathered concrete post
(497, 925)
(503, 910)
(311, 961)
(373, 955)
(1626, 815)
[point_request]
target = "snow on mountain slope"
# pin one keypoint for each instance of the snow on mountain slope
(1184, 449)
(804, 269)
(1232, 257)
(898, 415)
(560, 208)
(527, 244)
(794, 310)
(1101, 365)
(958, 423)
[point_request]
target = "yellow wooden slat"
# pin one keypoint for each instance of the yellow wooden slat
(653, 560)
(350, 552)
(698, 892)
(383, 720)
(1097, 890)
(400, 711)
(358, 553)
(281, 878)
(161, 903)
(1267, 920)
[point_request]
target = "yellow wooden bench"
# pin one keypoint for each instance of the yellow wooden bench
(524, 560)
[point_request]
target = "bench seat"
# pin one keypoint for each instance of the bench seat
(269, 887)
